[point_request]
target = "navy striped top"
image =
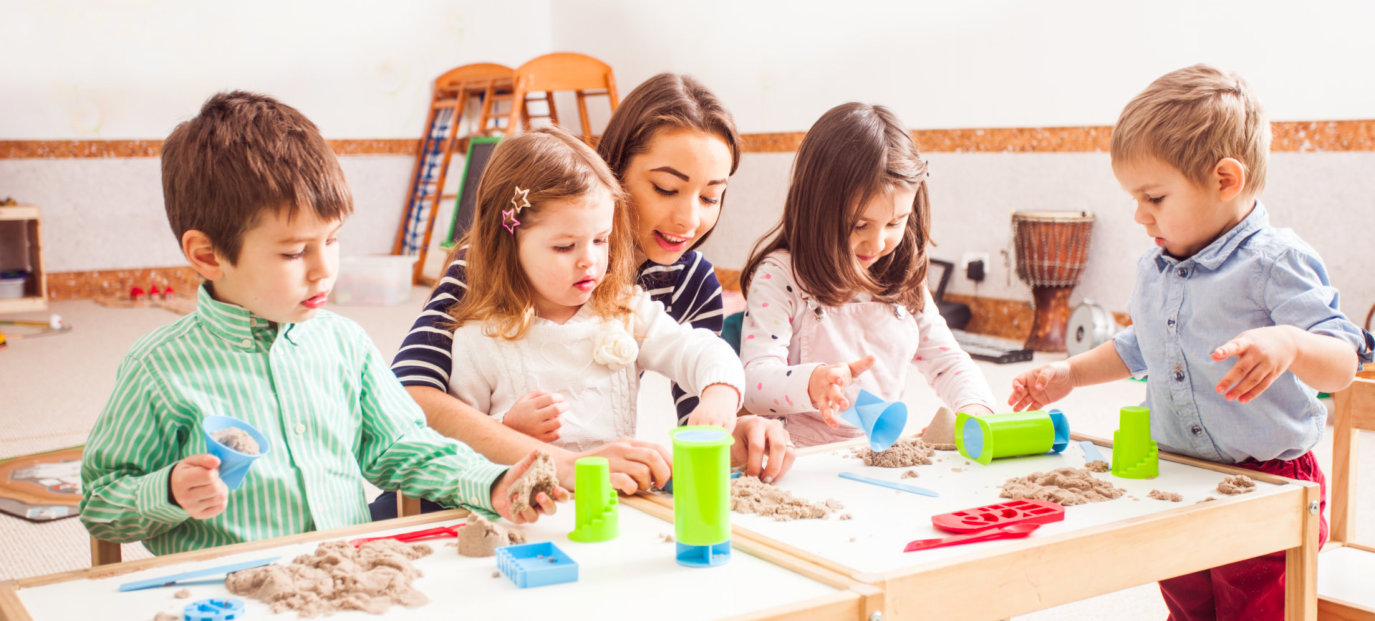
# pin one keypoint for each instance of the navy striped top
(688, 289)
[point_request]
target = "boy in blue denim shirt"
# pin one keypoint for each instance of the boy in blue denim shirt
(1234, 321)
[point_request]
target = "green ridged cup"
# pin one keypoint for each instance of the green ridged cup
(596, 508)
(1134, 454)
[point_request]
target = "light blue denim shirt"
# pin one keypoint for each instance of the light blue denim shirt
(1251, 277)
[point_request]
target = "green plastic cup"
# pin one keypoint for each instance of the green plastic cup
(1134, 454)
(597, 514)
(701, 495)
(983, 438)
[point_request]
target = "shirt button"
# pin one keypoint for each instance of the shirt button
(300, 429)
(1196, 429)
(1178, 376)
(1182, 272)
(1170, 323)
(472, 501)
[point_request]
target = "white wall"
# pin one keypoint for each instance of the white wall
(114, 69)
(985, 63)
(133, 69)
(1004, 63)
(111, 69)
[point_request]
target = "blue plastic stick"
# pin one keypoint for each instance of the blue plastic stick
(174, 578)
(902, 487)
(1090, 451)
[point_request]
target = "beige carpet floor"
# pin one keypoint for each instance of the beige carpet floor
(52, 389)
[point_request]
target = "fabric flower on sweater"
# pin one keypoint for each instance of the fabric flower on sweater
(615, 347)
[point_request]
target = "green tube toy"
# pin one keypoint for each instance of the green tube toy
(701, 495)
(983, 438)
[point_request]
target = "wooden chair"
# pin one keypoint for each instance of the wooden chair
(105, 552)
(1345, 566)
(538, 79)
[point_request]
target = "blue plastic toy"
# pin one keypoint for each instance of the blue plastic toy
(233, 464)
(882, 421)
(536, 564)
(214, 609)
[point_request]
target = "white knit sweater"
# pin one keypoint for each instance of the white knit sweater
(491, 373)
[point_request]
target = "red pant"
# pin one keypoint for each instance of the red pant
(1251, 589)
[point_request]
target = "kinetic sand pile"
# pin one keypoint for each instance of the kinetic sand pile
(337, 577)
(1067, 486)
(1098, 465)
(480, 537)
(236, 439)
(541, 476)
(903, 454)
(750, 495)
(1236, 484)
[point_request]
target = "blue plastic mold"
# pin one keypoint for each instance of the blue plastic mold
(214, 609)
(703, 556)
(536, 564)
(1061, 424)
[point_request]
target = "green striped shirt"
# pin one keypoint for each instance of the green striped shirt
(318, 390)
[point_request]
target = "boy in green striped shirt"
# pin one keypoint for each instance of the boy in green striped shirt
(256, 198)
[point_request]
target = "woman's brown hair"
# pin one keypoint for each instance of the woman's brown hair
(853, 153)
(551, 165)
(671, 101)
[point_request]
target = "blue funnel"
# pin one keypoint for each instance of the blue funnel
(233, 464)
(882, 421)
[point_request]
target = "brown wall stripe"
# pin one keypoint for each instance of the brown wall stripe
(1294, 136)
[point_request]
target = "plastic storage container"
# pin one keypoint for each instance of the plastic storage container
(374, 280)
(12, 287)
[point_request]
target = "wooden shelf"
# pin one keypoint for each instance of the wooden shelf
(21, 248)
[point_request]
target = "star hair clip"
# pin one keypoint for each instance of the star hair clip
(519, 201)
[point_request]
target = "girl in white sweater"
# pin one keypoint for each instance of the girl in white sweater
(551, 306)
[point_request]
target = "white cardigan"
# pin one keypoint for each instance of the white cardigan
(491, 373)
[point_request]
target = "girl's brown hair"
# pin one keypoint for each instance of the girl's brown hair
(551, 165)
(666, 101)
(853, 153)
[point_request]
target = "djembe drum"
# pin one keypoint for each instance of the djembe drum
(1052, 248)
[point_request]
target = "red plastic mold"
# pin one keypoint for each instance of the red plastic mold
(998, 515)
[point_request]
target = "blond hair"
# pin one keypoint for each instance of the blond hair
(1193, 118)
(853, 153)
(552, 165)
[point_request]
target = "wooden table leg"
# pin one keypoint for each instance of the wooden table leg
(1301, 563)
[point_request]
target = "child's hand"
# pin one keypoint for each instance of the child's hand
(716, 407)
(501, 494)
(197, 488)
(537, 415)
(1040, 387)
(635, 464)
(828, 384)
(763, 447)
(1262, 354)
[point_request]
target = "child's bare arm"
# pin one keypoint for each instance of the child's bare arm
(1263, 354)
(1044, 385)
(716, 407)
(635, 464)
